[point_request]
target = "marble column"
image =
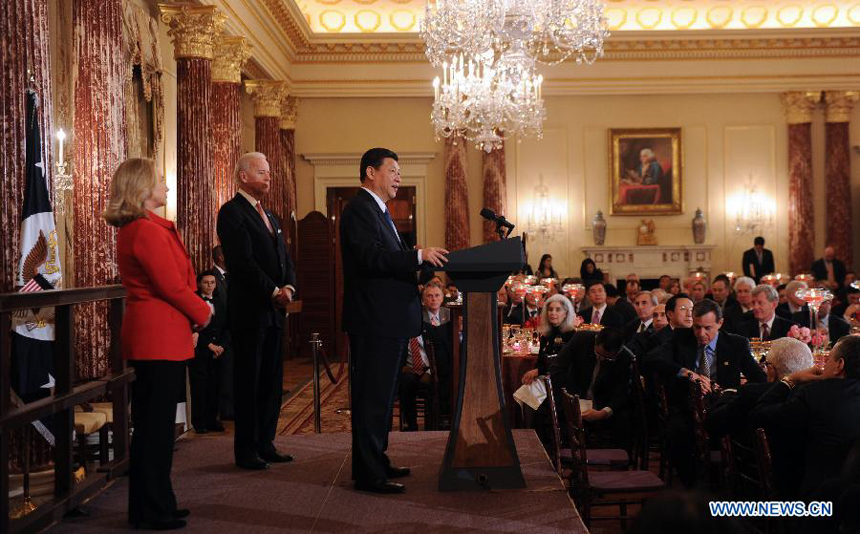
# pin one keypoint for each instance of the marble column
(267, 96)
(495, 188)
(195, 31)
(798, 107)
(287, 124)
(839, 219)
(456, 195)
(98, 147)
(231, 53)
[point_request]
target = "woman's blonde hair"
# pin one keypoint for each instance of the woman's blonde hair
(569, 321)
(130, 186)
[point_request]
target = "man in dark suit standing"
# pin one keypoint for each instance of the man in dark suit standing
(381, 312)
(225, 396)
(766, 324)
(758, 261)
(829, 270)
(261, 285)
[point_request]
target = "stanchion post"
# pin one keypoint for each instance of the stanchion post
(316, 343)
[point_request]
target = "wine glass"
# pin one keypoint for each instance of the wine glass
(814, 297)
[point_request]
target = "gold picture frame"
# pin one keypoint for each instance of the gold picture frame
(646, 171)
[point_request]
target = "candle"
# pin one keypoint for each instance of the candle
(436, 88)
(61, 136)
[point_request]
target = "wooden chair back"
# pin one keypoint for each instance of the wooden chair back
(556, 432)
(640, 441)
(578, 455)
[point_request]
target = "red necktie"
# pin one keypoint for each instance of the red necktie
(765, 332)
(265, 218)
(417, 361)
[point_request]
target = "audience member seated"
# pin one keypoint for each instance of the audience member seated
(526, 310)
(674, 287)
(829, 270)
(415, 377)
(730, 413)
(793, 303)
(721, 292)
(545, 269)
(593, 366)
(741, 312)
(715, 360)
(600, 312)
(451, 292)
(819, 408)
(698, 290)
(659, 315)
(679, 315)
(852, 298)
(631, 289)
(204, 371)
(766, 324)
(619, 303)
(557, 324)
(644, 304)
(589, 272)
(660, 296)
(664, 282)
(758, 261)
(836, 326)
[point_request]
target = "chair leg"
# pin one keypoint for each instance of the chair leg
(103, 445)
(82, 452)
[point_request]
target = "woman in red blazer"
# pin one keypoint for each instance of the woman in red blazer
(161, 311)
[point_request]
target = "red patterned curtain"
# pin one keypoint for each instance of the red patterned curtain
(99, 147)
(456, 195)
(268, 141)
(838, 179)
(495, 188)
(288, 140)
(227, 130)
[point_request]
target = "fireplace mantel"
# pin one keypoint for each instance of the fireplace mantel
(651, 261)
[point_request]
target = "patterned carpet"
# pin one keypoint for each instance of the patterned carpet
(297, 413)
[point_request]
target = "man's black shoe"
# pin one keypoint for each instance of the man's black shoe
(254, 463)
(397, 472)
(380, 486)
(181, 513)
(275, 457)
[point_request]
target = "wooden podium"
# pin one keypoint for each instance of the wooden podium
(481, 453)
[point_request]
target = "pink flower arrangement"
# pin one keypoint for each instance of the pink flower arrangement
(801, 333)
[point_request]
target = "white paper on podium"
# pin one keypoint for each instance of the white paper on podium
(532, 394)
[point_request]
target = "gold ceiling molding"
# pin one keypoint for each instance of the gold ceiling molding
(267, 96)
(194, 29)
(838, 105)
(231, 53)
(799, 105)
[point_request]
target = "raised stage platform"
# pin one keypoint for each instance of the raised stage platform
(314, 493)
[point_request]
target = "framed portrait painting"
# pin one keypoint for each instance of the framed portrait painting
(645, 171)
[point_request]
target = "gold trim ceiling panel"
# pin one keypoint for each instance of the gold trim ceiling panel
(404, 16)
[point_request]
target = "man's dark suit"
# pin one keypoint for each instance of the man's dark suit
(734, 317)
(441, 337)
(766, 266)
(778, 329)
(516, 313)
(258, 263)
(823, 415)
(627, 311)
(819, 270)
(732, 358)
(381, 311)
(225, 395)
(610, 317)
(631, 330)
(837, 327)
(573, 369)
(204, 371)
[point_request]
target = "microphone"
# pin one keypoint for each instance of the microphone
(500, 220)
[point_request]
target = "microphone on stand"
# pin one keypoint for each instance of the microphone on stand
(501, 222)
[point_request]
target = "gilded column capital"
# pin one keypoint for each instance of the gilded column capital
(799, 105)
(231, 53)
(289, 110)
(267, 96)
(194, 29)
(838, 105)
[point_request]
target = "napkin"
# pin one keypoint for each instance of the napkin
(532, 394)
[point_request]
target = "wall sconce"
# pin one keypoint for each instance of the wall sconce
(754, 211)
(546, 217)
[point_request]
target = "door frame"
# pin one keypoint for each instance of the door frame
(339, 170)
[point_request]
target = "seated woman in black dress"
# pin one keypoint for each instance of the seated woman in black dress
(557, 323)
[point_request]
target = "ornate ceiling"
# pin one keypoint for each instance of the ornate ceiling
(404, 16)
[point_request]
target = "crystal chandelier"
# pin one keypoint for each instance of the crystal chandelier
(545, 222)
(489, 50)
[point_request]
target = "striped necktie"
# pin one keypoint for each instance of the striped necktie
(417, 360)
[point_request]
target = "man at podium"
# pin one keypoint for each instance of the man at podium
(381, 311)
